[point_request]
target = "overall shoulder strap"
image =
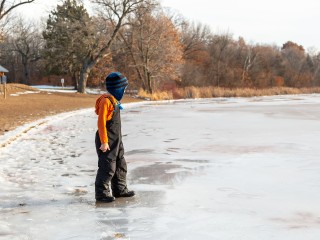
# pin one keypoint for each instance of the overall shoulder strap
(111, 100)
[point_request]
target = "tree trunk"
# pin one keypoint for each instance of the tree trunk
(13, 73)
(25, 79)
(84, 73)
(149, 83)
(91, 60)
(75, 81)
(147, 80)
(218, 72)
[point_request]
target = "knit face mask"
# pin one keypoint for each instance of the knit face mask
(118, 92)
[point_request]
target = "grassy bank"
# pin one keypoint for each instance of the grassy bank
(213, 92)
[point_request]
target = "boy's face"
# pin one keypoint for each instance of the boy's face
(117, 93)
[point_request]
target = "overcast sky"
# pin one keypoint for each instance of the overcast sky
(272, 21)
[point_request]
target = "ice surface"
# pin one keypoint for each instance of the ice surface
(17, 94)
(67, 89)
(203, 169)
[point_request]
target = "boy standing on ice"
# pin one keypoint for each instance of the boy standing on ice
(112, 164)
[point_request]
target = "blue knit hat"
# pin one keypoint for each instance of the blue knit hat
(116, 84)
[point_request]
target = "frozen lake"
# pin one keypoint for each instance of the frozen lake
(202, 169)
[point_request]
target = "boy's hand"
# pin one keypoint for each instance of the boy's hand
(104, 147)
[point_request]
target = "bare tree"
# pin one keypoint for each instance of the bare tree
(27, 42)
(249, 60)
(294, 57)
(218, 48)
(194, 38)
(6, 6)
(154, 45)
(115, 13)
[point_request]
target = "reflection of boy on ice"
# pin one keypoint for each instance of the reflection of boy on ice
(112, 164)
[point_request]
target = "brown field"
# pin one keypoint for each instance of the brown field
(18, 110)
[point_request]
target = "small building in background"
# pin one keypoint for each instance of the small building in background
(3, 80)
(2, 73)
(3, 70)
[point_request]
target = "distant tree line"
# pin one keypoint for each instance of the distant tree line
(154, 48)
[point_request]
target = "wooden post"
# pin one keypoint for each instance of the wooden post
(5, 90)
(1, 88)
(4, 83)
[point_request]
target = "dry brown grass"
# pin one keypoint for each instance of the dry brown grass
(155, 96)
(213, 92)
(17, 87)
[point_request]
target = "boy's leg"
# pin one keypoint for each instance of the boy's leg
(119, 180)
(105, 173)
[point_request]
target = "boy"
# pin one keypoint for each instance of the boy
(112, 164)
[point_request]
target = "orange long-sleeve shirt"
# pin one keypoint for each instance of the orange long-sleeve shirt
(104, 110)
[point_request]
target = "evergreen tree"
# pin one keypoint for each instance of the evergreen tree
(68, 35)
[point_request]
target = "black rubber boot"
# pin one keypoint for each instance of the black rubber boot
(125, 193)
(106, 197)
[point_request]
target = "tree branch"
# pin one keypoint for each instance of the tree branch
(4, 12)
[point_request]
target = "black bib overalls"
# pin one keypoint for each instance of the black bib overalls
(112, 164)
